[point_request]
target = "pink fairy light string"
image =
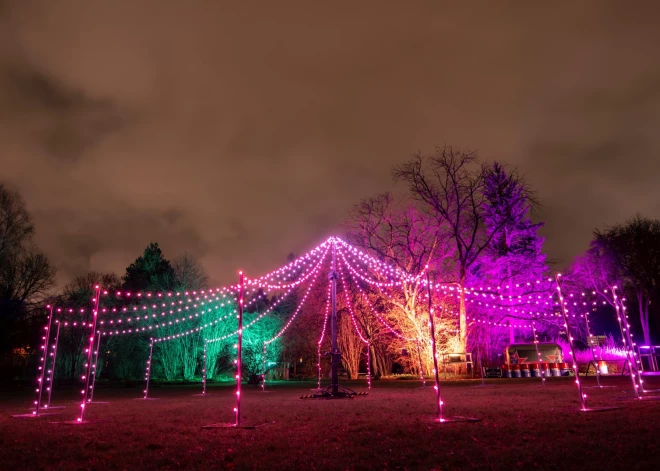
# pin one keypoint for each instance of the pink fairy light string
(255, 320)
(357, 329)
(287, 271)
(179, 305)
(43, 360)
(295, 313)
(395, 275)
(366, 299)
(299, 281)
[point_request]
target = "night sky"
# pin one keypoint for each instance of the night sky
(240, 134)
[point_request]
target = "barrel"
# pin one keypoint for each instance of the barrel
(554, 367)
(564, 369)
(515, 371)
(524, 370)
(546, 369)
(506, 371)
(534, 370)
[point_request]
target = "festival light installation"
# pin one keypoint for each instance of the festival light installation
(44, 361)
(51, 372)
(89, 350)
(148, 369)
(583, 396)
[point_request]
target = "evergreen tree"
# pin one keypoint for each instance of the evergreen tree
(150, 272)
(515, 254)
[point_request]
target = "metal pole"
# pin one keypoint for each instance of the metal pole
(593, 347)
(421, 370)
(239, 347)
(90, 349)
(625, 343)
(204, 368)
(335, 349)
(44, 361)
(538, 354)
(51, 381)
(434, 350)
(583, 397)
(151, 351)
(95, 365)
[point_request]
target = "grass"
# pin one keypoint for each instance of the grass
(523, 425)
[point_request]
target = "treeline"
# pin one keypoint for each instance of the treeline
(460, 222)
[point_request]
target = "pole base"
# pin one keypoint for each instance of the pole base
(230, 426)
(147, 398)
(33, 416)
(457, 418)
(641, 398)
(75, 422)
(201, 394)
(598, 409)
(327, 393)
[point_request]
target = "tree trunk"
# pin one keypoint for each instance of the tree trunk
(462, 339)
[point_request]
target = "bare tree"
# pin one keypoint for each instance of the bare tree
(189, 272)
(25, 273)
(350, 345)
(393, 230)
(450, 183)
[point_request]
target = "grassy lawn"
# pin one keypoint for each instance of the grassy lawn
(523, 425)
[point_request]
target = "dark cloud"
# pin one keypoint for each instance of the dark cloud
(243, 133)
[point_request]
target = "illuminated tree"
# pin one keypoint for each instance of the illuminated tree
(150, 271)
(634, 250)
(451, 185)
(396, 232)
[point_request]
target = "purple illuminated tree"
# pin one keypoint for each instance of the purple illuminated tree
(634, 248)
(515, 255)
(451, 184)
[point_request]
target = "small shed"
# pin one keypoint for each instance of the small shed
(518, 353)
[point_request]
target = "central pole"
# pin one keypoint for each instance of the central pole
(239, 346)
(333, 299)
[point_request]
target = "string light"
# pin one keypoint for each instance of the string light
(148, 369)
(626, 345)
(355, 325)
(89, 354)
(44, 361)
(295, 313)
(378, 316)
(583, 397)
